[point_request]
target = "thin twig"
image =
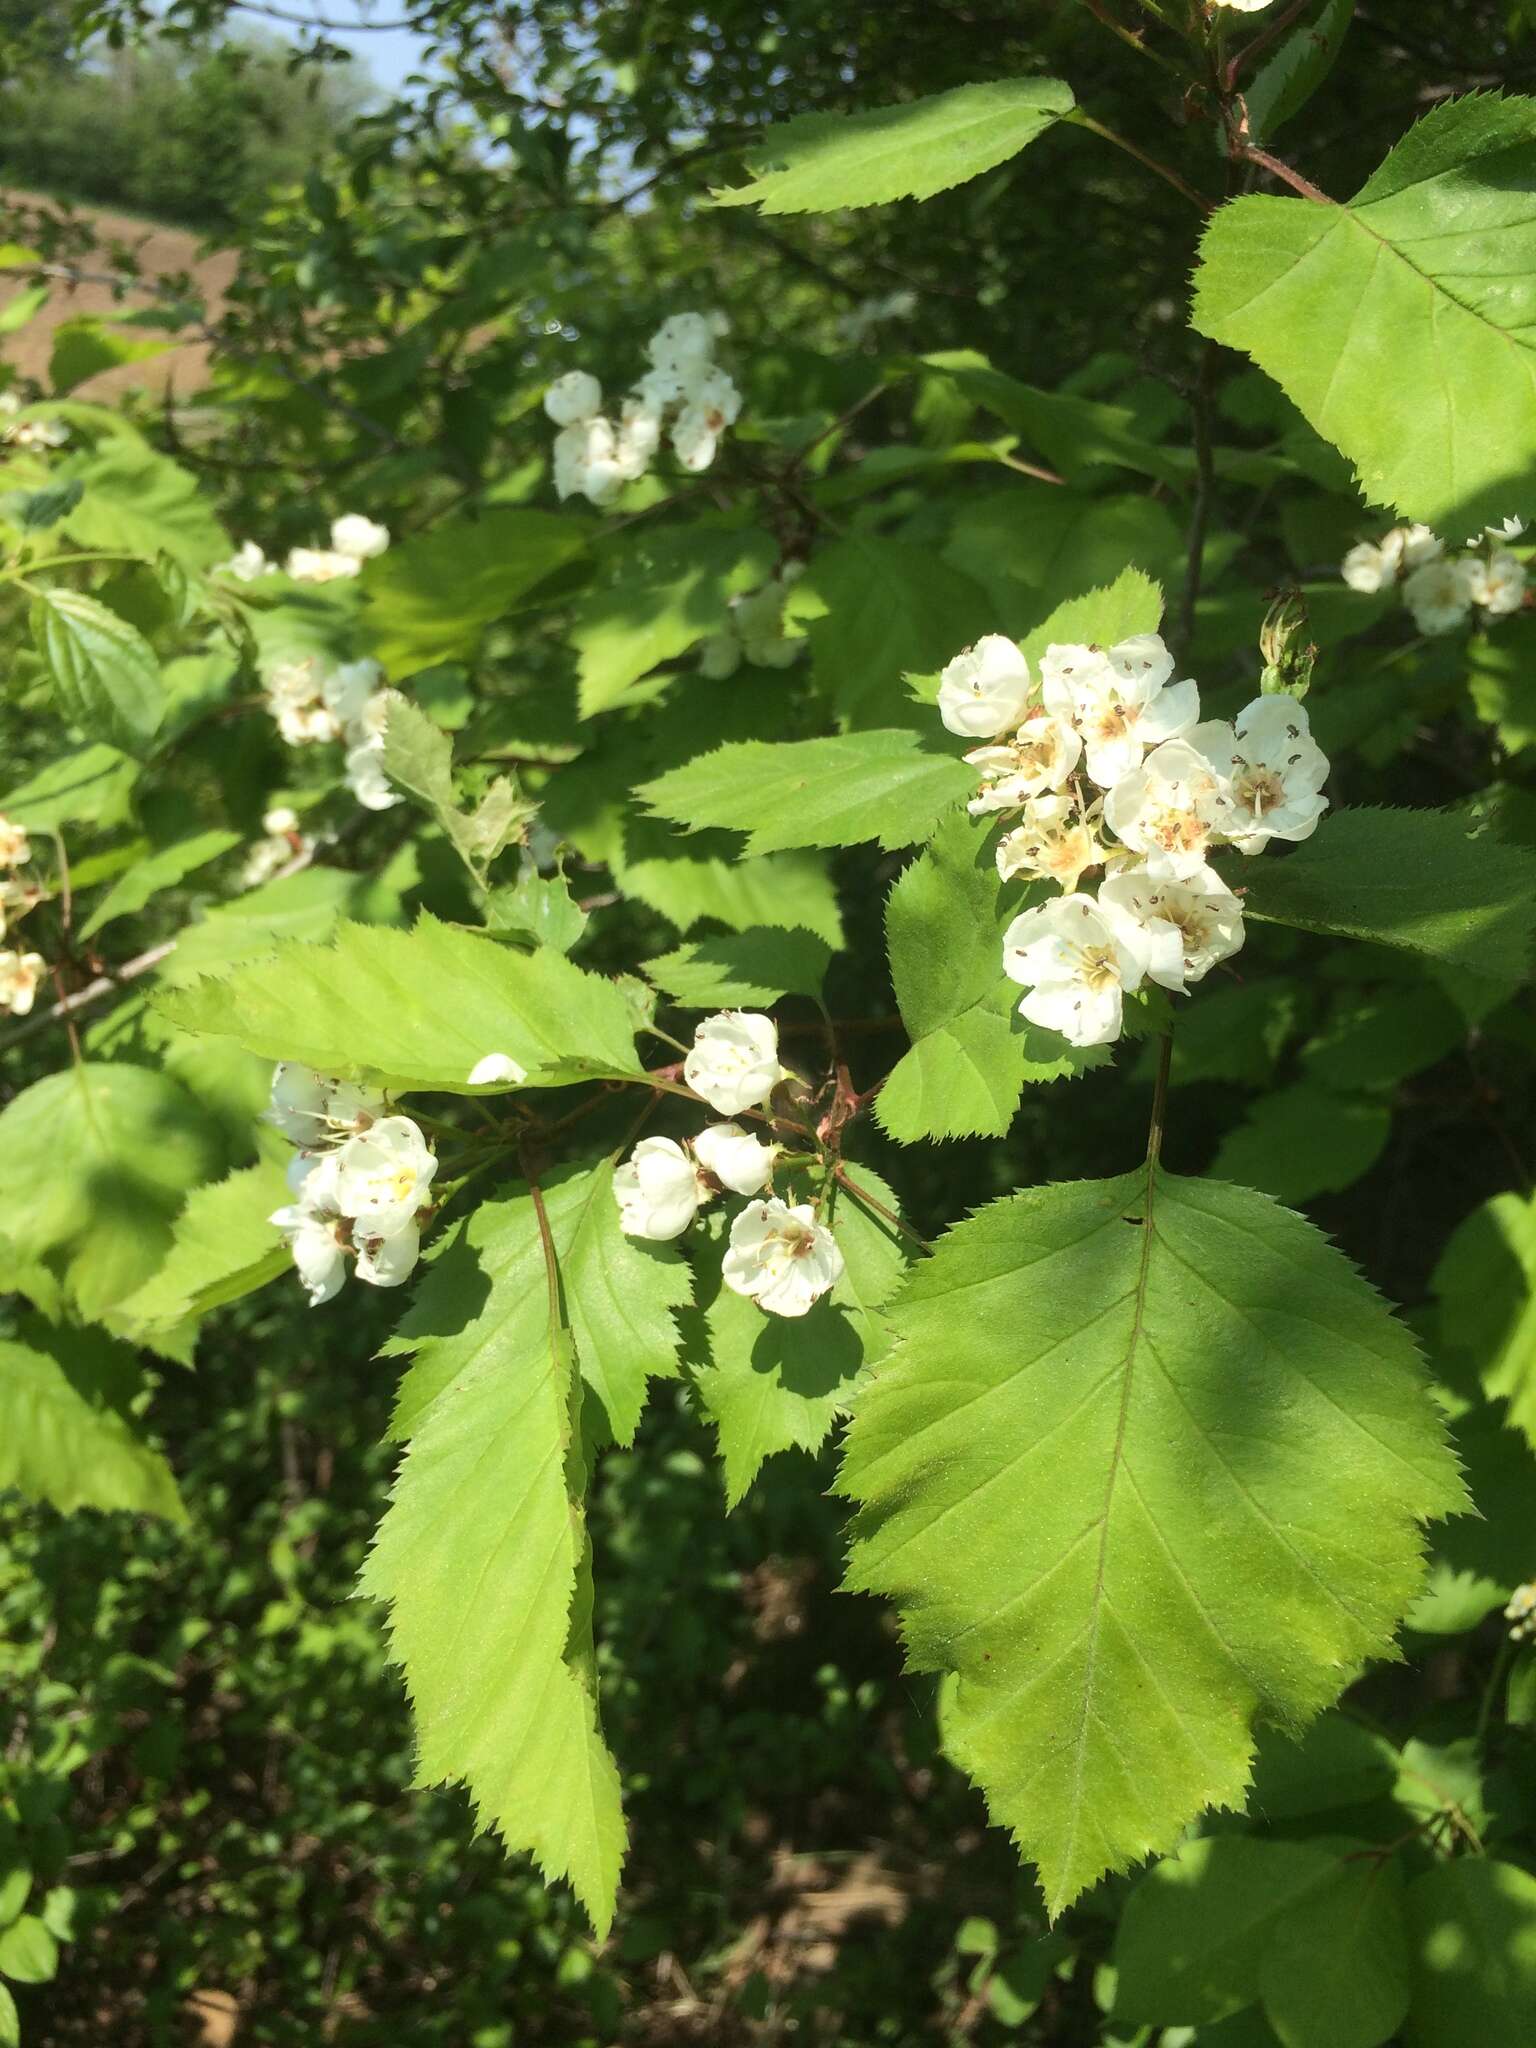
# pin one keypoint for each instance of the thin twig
(1101, 14)
(1285, 174)
(1078, 119)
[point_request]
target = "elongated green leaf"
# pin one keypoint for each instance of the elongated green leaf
(971, 1054)
(743, 970)
(431, 597)
(673, 590)
(1078, 435)
(1485, 1286)
(416, 1009)
(222, 1247)
(1296, 70)
(91, 785)
(418, 755)
(98, 1159)
(482, 1554)
(1416, 267)
(1147, 1462)
(66, 1435)
(620, 1295)
(1297, 1143)
(1474, 1954)
(906, 152)
(1413, 879)
(160, 870)
(773, 1385)
(890, 608)
(106, 671)
(832, 792)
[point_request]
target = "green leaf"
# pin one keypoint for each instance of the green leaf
(10, 2021)
(1132, 604)
(1146, 1463)
(773, 1384)
(90, 785)
(1080, 436)
(1415, 269)
(672, 590)
(1335, 1974)
(743, 971)
(482, 1553)
(1485, 1286)
(223, 1247)
(1499, 669)
(139, 502)
(1033, 545)
(17, 311)
(890, 608)
(15, 1889)
(1301, 64)
(85, 347)
(1413, 879)
(66, 1435)
(28, 1952)
(307, 906)
(779, 889)
(828, 792)
(107, 675)
(1480, 1557)
(1333, 1763)
(1473, 1926)
(538, 908)
(907, 152)
(431, 597)
(1297, 1143)
(99, 1158)
(418, 755)
(416, 1009)
(36, 511)
(162, 869)
(971, 1054)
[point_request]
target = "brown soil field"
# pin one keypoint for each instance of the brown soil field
(159, 251)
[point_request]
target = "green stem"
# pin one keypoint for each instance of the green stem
(1496, 1677)
(1164, 171)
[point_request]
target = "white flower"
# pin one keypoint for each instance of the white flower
(695, 437)
(347, 689)
(356, 535)
(687, 340)
(737, 1160)
(310, 1108)
(1243, 6)
(1521, 1612)
(575, 397)
(280, 820)
(734, 1063)
(19, 975)
(1053, 840)
(387, 1259)
(320, 565)
(986, 690)
(1414, 545)
(1120, 701)
(638, 438)
(1038, 759)
(245, 564)
(16, 897)
(586, 462)
(497, 1067)
(296, 699)
(364, 766)
(1272, 771)
(1076, 965)
(268, 855)
(658, 1190)
(714, 394)
(1171, 807)
(384, 1175)
(29, 433)
(1507, 529)
(1498, 584)
(781, 1257)
(1366, 569)
(15, 846)
(1189, 926)
(1439, 595)
(313, 1227)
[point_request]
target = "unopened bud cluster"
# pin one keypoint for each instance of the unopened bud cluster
(1521, 1613)
(355, 539)
(1442, 591)
(1105, 762)
(684, 394)
(16, 432)
(754, 631)
(20, 972)
(313, 703)
(361, 1180)
(779, 1255)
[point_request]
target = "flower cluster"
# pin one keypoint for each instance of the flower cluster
(596, 456)
(1521, 1612)
(19, 433)
(361, 1182)
(282, 843)
(1441, 590)
(779, 1255)
(20, 972)
(312, 704)
(355, 539)
(1105, 742)
(754, 632)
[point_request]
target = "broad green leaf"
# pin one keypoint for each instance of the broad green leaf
(431, 597)
(91, 785)
(482, 1554)
(36, 511)
(971, 1054)
(418, 755)
(743, 970)
(1147, 1463)
(1300, 1142)
(137, 501)
(10, 2020)
(303, 907)
(539, 908)
(1034, 545)
(1334, 1762)
(1302, 63)
(1132, 604)
(1473, 1929)
(792, 890)
(98, 1159)
(107, 675)
(1413, 879)
(773, 1384)
(1335, 1973)
(889, 608)
(15, 1889)
(66, 1434)
(826, 161)
(162, 869)
(671, 591)
(416, 1009)
(1478, 1558)
(1416, 269)
(1485, 1286)
(28, 1952)
(223, 1247)
(84, 347)
(829, 792)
